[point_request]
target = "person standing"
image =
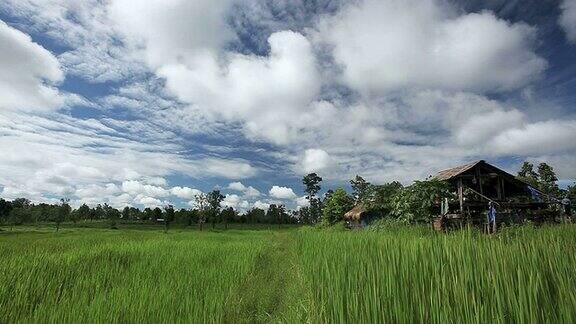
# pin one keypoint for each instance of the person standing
(491, 217)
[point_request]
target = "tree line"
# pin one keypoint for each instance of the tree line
(413, 203)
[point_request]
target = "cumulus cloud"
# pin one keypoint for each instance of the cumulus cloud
(392, 44)
(29, 73)
(185, 192)
(302, 202)
(248, 191)
(261, 205)
(568, 19)
(282, 192)
(315, 160)
(541, 138)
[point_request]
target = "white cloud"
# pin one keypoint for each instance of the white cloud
(393, 44)
(282, 192)
(67, 156)
(261, 205)
(568, 19)
(541, 138)
(315, 160)
(185, 192)
(29, 73)
(302, 202)
(150, 202)
(172, 32)
(238, 186)
(249, 192)
(135, 187)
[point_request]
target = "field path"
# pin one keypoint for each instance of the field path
(271, 291)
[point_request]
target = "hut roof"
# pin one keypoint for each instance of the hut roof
(355, 213)
(453, 172)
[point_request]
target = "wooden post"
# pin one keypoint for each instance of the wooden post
(461, 195)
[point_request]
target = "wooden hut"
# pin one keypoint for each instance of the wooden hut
(477, 183)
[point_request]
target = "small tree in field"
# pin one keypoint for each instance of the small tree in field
(168, 217)
(312, 187)
(214, 200)
(62, 213)
(202, 204)
(336, 206)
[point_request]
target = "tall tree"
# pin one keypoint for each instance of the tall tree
(83, 212)
(312, 187)
(168, 216)
(360, 187)
(156, 214)
(214, 200)
(528, 175)
(548, 179)
(336, 206)
(112, 215)
(228, 214)
(62, 213)
(202, 205)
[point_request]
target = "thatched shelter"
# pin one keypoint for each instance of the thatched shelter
(359, 216)
(356, 213)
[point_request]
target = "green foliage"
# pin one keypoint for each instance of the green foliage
(547, 179)
(379, 198)
(544, 180)
(311, 184)
(360, 187)
(528, 175)
(416, 202)
(336, 206)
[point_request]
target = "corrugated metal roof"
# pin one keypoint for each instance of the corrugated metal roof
(450, 173)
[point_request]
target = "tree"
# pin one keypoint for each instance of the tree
(202, 205)
(255, 215)
(62, 213)
(312, 184)
(378, 198)
(417, 202)
(528, 175)
(83, 212)
(148, 214)
(312, 187)
(156, 214)
(336, 206)
(571, 192)
(126, 213)
(228, 215)
(276, 214)
(5, 208)
(548, 179)
(360, 187)
(112, 215)
(214, 200)
(17, 216)
(168, 217)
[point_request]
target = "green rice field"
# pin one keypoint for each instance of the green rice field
(296, 275)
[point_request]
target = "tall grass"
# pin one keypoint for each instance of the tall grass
(108, 276)
(399, 275)
(524, 275)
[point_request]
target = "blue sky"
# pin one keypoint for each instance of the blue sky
(151, 102)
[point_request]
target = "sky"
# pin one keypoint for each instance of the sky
(150, 102)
